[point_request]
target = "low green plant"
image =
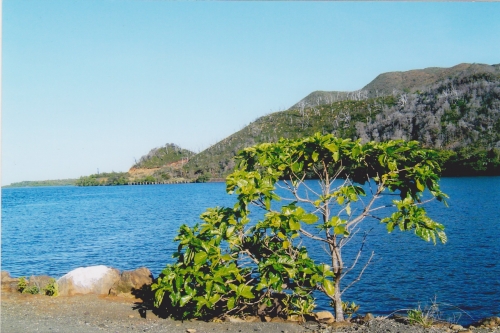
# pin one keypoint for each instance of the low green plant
(34, 290)
(433, 312)
(22, 284)
(300, 306)
(350, 308)
(425, 317)
(51, 289)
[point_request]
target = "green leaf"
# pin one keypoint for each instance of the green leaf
(185, 299)
(261, 286)
(328, 286)
(230, 303)
(442, 237)
(296, 167)
(246, 291)
(215, 298)
(200, 258)
(294, 224)
(309, 218)
(267, 202)
(230, 231)
(419, 185)
(340, 230)
(334, 221)
(332, 147)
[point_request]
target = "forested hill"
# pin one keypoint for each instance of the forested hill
(163, 156)
(160, 165)
(451, 109)
(420, 79)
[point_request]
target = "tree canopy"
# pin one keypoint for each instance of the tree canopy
(230, 265)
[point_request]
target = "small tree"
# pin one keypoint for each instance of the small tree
(229, 266)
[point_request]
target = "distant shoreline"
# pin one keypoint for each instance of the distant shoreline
(213, 180)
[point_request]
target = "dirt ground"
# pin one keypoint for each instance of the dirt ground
(22, 313)
(92, 313)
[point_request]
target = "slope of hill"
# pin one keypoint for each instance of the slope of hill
(328, 97)
(336, 118)
(160, 165)
(459, 111)
(411, 81)
(395, 83)
(163, 156)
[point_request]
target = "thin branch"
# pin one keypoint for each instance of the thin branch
(360, 274)
(359, 253)
(344, 241)
(308, 234)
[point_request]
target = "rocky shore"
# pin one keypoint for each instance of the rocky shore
(120, 310)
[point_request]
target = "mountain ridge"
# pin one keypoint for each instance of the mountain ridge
(395, 81)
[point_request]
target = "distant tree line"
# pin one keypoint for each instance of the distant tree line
(104, 179)
(38, 183)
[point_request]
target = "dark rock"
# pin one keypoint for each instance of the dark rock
(40, 282)
(490, 322)
(131, 281)
(9, 283)
(341, 324)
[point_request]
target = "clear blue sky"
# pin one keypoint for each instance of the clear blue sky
(94, 84)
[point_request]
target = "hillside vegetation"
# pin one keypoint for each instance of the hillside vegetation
(160, 165)
(163, 157)
(458, 114)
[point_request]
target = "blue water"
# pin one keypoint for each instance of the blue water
(52, 230)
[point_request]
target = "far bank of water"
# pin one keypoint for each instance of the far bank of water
(52, 230)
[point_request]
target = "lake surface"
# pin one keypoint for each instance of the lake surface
(52, 230)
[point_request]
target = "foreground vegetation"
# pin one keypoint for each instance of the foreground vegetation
(230, 265)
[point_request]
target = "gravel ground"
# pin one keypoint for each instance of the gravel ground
(91, 313)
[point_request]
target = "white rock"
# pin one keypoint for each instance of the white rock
(88, 280)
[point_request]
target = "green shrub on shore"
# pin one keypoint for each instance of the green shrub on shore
(34, 290)
(229, 266)
(22, 284)
(51, 289)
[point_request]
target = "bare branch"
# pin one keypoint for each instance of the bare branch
(358, 254)
(308, 234)
(360, 274)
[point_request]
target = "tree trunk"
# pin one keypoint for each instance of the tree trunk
(339, 312)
